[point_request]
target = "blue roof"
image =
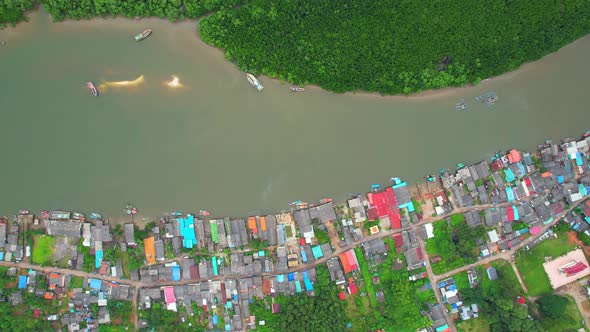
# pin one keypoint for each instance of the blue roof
(509, 175)
(235, 297)
(227, 327)
(95, 283)
(176, 273)
(579, 160)
(516, 216)
(262, 253)
(510, 194)
(403, 184)
(22, 282)
(303, 256)
(97, 258)
(230, 304)
(215, 320)
(560, 179)
(307, 282)
(452, 287)
(317, 252)
(521, 167)
(281, 278)
(408, 205)
(2, 256)
(282, 231)
(291, 276)
(187, 230)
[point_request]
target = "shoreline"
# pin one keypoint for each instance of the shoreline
(413, 188)
(422, 95)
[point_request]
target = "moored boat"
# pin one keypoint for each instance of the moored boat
(143, 35)
(254, 81)
(296, 89)
(92, 88)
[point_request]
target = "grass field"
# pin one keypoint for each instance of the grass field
(530, 263)
(76, 282)
(43, 249)
(474, 324)
(571, 322)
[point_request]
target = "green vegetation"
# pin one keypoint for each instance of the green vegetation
(76, 282)
(392, 46)
(88, 265)
(322, 312)
(172, 9)
(366, 274)
(321, 235)
(121, 316)
(560, 313)
(12, 11)
(530, 263)
(417, 205)
(479, 325)
(43, 250)
(497, 301)
(454, 244)
(257, 244)
(402, 299)
(6, 281)
(479, 182)
(18, 319)
(160, 319)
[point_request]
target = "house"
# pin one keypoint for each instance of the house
(186, 227)
(150, 250)
(63, 228)
(170, 298)
(414, 258)
(492, 273)
(384, 206)
(349, 261)
(130, 235)
(493, 235)
(357, 207)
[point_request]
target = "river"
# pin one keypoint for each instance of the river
(216, 143)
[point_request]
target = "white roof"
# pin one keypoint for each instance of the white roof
(493, 236)
(429, 231)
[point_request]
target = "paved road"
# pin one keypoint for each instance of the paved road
(506, 255)
(434, 278)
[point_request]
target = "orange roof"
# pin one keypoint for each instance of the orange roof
(48, 296)
(546, 174)
(263, 224)
(150, 250)
(252, 225)
(345, 263)
(514, 156)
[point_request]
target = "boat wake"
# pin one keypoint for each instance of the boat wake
(174, 83)
(116, 84)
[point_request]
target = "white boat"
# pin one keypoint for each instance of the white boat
(254, 81)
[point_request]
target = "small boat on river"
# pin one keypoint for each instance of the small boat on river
(296, 89)
(143, 35)
(92, 88)
(254, 81)
(489, 98)
(461, 105)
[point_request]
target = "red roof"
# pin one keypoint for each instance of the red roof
(578, 267)
(342, 295)
(386, 205)
(352, 289)
(194, 272)
(398, 240)
(36, 313)
(302, 241)
(557, 208)
(510, 213)
(586, 208)
(521, 300)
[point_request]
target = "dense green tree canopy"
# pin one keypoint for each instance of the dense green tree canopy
(12, 11)
(392, 46)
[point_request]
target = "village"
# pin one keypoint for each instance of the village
(82, 272)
